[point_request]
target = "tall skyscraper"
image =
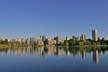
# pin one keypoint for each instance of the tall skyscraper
(94, 34)
(83, 37)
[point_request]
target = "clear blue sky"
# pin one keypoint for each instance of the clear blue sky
(53, 17)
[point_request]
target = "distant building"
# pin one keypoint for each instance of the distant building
(50, 41)
(58, 39)
(33, 40)
(67, 38)
(83, 37)
(20, 40)
(23, 40)
(27, 41)
(94, 35)
(43, 38)
(40, 42)
(75, 38)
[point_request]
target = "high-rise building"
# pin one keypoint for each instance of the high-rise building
(33, 40)
(94, 34)
(43, 38)
(83, 37)
(28, 41)
(50, 41)
(58, 39)
(75, 38)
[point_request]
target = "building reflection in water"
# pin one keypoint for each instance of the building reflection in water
(41, 51)
(96, 56)
(83, 53)
(57, 51)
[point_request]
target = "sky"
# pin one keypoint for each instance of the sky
(29, 18)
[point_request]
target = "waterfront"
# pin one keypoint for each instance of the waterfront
(47, 59)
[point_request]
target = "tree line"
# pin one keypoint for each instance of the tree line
(73, 42)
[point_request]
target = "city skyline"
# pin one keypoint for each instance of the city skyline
(82, 36)
(53, 35)
(94, 36)
(29, 18)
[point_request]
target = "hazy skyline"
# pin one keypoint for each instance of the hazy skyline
(53, 17)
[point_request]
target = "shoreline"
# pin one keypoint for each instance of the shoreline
(30, 46)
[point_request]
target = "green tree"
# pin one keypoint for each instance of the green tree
(66, 43)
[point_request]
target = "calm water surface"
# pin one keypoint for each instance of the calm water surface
(56, 59)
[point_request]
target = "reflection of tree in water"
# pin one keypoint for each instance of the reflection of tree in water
(45, 50)
(74, 51)
(5, 50)
(58, 51)
(104, 50)
(52, 50)
(66, 49)
(83, 52)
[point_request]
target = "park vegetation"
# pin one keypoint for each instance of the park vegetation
(71, 42)
(86, 42)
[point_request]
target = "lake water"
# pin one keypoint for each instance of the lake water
(54, 59)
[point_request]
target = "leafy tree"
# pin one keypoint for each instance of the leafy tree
(66, 43)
